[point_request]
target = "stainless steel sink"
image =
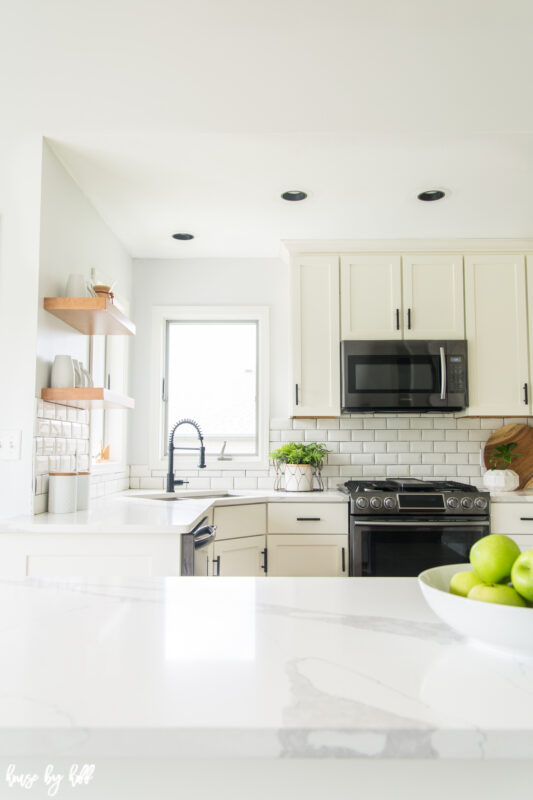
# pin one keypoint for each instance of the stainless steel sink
(170, 496)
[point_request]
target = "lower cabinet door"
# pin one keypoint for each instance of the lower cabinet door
(307, 555)
(243, 557)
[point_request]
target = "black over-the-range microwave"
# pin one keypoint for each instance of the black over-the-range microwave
(411, 375)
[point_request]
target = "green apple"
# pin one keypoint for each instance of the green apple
(462, 582)
(522, 575)
(496, 593)
(493, 557)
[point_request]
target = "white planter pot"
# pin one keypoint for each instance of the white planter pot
(299, 477)
(501, 480)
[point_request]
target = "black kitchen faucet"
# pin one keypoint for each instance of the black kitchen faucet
(171, 482)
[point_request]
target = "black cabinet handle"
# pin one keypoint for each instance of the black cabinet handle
(344, 559)
(307, 519)
(409, 319)
(525, 394)
(217, 562)
(397, 319)
(297, 394)
(264, 565)
(526, 519)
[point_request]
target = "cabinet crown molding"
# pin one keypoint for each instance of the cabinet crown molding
(290, 247)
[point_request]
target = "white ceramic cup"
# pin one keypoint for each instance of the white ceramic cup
(63, 493)
(76, 286)
(63, 374)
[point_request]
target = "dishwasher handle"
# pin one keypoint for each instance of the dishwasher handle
(204, 535)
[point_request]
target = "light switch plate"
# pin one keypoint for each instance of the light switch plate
(10, 445)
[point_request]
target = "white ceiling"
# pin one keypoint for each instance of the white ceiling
(195, 116)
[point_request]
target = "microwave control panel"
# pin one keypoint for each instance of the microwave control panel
(456, 374)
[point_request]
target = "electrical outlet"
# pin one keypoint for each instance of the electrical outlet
(10, 445)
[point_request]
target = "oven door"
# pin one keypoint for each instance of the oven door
(406, 547)
(394, 375)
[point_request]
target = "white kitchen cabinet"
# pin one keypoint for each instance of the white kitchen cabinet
(243, 557)
(307, 555)
(515, 520)
(315, 381)
(395, 297)
(371, 297)
(326, 518)
(497, 334)
(87, 555)
(241, 520)
(433, 297)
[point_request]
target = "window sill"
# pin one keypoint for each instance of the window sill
(108, 467)
(212, 464)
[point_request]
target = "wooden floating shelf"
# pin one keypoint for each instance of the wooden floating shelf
(93, 316)
(87, 398)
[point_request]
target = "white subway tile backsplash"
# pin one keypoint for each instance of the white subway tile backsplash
(61, 413)
(421, 447)
(350, 424)
(375, 423)
(409, 458)
(341, 436)
(55, 427)
(72, 414)
(328, 424)
(304, 424)
(294, 436)
(409, 435)
(351, 447)
(374, 447)
(396, 423)
(445, 447)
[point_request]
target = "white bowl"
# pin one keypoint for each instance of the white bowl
(507, 628)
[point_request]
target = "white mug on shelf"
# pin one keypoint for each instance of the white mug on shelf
(76, 286)
(63, 373)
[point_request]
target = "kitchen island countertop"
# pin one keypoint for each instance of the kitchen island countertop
(246, 668)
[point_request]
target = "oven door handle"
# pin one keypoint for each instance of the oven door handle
(443, 380)
(419, 524)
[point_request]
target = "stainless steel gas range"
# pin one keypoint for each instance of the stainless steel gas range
(401, 527)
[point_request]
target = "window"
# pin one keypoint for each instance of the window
(214, 369)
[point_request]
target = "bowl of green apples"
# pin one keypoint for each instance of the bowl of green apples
(490, 600)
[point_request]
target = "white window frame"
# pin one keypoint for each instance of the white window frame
(161, 315)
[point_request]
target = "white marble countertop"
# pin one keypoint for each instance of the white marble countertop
(518, 496)
(135, 512)
(238, 667)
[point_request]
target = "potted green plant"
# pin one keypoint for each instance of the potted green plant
(499, 476)
(299, 461)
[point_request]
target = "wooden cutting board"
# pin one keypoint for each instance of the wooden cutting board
(523, 436)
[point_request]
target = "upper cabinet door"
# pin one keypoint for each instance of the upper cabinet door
(496, 329)
(433, 297)
(315, 385)
(371, 297)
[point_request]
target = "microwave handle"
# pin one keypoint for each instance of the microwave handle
(442, 373)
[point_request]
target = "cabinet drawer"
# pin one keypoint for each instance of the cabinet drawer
(511, 518)
(308, 518)
(235, 521)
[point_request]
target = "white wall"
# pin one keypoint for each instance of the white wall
(20, 183)
(74, 238)
(257, 281)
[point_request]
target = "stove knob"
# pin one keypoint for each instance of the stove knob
(452, 502)
(480, 502)
(389, 503)
(466, 502)
(376, 502)
(362, 502)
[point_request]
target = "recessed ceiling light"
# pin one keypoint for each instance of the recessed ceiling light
(183, 237)
(294, 195)
(431, 194)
